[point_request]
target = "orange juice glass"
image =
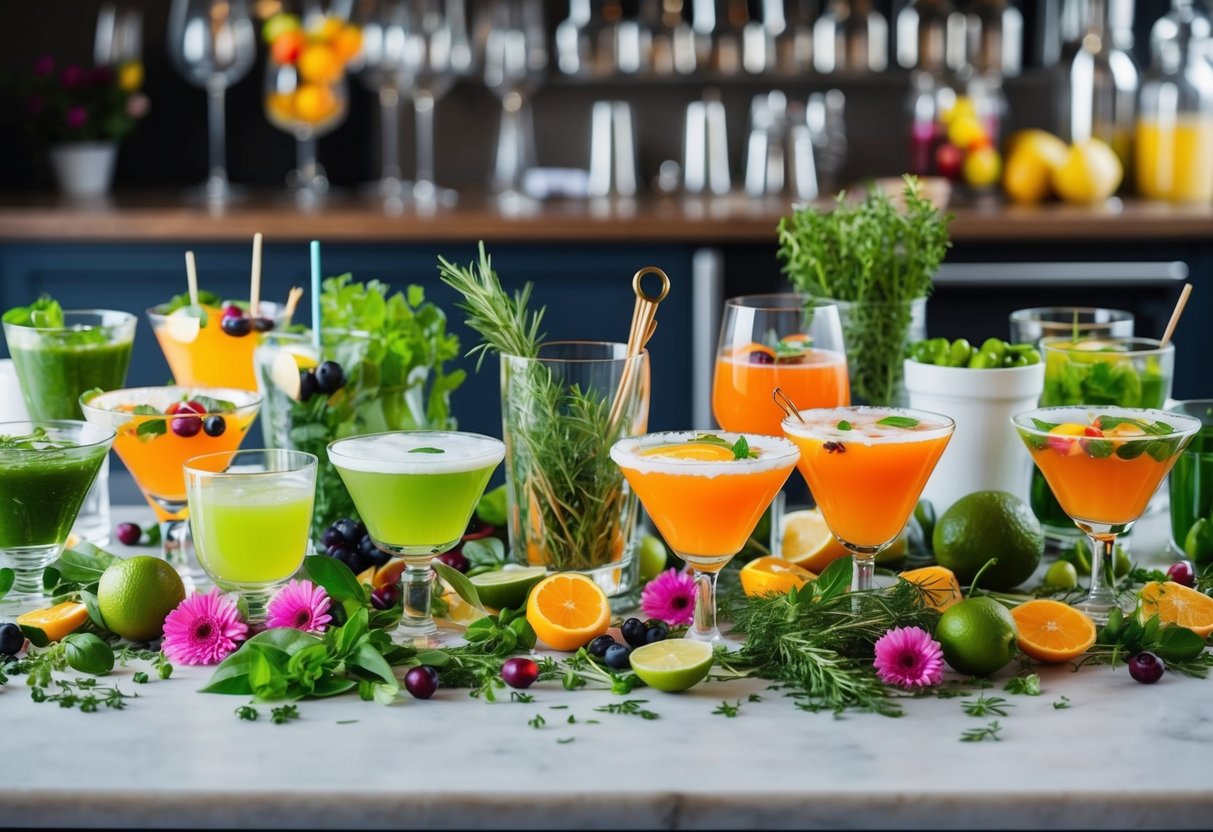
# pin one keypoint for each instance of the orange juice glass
(703, 499)
(212, 354)
(1104, 464)
(866, 467)
(159, 429)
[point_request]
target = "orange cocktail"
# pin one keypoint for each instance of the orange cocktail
(866, 467)
(1103, 465)
(705, 492)
(212, 345)
(746, 377)
(159, 428)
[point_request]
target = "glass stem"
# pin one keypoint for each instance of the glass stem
(418, 583)
(703, 628)
(389, 117)
(178, 549)
(1103, 560)
(216, 132)
(864, 566)
(508, 172)
(305, 160)
(423, 105)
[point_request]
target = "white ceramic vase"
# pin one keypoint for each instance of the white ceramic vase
(84, 169)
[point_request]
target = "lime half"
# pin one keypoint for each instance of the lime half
(507, 587)
(674, 664)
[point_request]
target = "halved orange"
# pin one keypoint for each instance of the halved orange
(1177, 604)
(566, 610)
(940, 589)
(57, 621)
(767, 575)
(1050, 631)
(808, 541)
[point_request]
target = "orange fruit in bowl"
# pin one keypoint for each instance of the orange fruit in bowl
(314, 103)
(347, 43)
(319, 64)
(286, 47)
(1176, 604)
(939, 586)
(567, 610)
(771, 575)
(281, 106)
(328, 29)
(808, 541)
(1050, 631)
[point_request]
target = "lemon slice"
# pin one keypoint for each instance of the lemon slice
(672, 665)
(808, 541)
(183, 326)
(699, 451)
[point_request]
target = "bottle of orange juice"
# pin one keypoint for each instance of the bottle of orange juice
(1175, 116)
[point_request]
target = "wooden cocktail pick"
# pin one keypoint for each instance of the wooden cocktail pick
(254, 295)
(644, 324)
(1179, 310)
(191, 277)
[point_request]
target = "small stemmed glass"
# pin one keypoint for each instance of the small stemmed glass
(212, 44)
(515, 59)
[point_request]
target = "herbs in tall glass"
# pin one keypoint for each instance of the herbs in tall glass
(876, 258)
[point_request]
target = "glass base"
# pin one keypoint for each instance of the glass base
(28, 563)
(93, 521)
(1098, 608)
(430, 196)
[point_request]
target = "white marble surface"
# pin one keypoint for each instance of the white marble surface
(1123, 755)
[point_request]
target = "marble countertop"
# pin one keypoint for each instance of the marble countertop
(1121, 755)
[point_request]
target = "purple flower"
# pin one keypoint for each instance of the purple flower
(75, 117)
(300, 605)
(72, 76)
(204, 629)
(670, 597)
(44, 66)
(909, 658)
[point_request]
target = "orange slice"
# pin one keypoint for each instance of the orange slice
(771, 575)
(57, 621)
(566, 610)
(701, 451)
(1177, 604)
(940, 589)
(808, 541)
(1050, 631)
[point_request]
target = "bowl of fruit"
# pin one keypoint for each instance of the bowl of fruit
(981, 388)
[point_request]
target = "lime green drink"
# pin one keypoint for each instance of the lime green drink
(416, 491)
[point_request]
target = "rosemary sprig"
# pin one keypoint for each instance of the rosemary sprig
(985, 705)
(989, 732)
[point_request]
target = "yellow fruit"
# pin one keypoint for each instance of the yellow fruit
(1176, 604)
(982, 167)
(964, 130)
(281, 106)
(940, 589)
(348, 43)
(328, 29)
(1040, 143)
(962, 107)
(808, 541)
(567, 610)
(1032, 158)
(314, 103)
(319, 64)
(767, 575)
(135, 595)
(57, 621)
(1091, 173)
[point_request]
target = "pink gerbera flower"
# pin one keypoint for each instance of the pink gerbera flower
(909, 658)
(203, 629)
(670, 597)
(300, 605)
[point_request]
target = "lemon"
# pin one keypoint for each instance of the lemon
(507, 587)
(977, 636)
(982, 167)
(808, 541)
(984, 525)
(672, 665)
(1032, 157)
(135, 595)
(1090, 173)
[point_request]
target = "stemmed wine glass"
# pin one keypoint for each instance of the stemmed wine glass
(213, 45)
(308, 111)
(515, 58)
(383, 44)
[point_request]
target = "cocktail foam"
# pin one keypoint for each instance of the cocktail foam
(406, 452)
(773, 452)
(822, 423)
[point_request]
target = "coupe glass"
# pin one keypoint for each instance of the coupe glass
(251, 517)
(46, 469)
(1104, 464)
(515, 60)
(1029, 326)
(867, 467)
(212, 43)
(316, 113)
(154, 445)
(416, 491)
(704, 502)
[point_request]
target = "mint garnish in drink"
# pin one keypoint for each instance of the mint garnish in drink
(427, 451)
(898, 422)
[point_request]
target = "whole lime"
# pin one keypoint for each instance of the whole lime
(989, 524)
(977, 636)
(653, 557)
(135, 595)
(1062, 575)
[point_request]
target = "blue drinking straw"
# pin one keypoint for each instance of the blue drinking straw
(315, 248)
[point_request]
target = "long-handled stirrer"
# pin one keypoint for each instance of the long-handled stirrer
(1179, 310)
(786, 404)
(292, 303)
(314, 250)
(191, 277)
(254, 295)
(644, 324)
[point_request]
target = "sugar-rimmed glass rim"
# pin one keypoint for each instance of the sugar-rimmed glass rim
(624, 450)
(795, 427)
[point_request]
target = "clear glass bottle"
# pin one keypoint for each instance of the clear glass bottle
(1174, 153)
(923, 45)
(1103, 81)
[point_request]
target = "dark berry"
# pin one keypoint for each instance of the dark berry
(1145, 668)
(177, 408)
(214, 425)
(519, 673)
(1182, 573)
(12, 639)
(455, 560)
(618, 657)
(332, 537)
(367, 545)
(349, 530)
(655, 630)
(128, 534)
(233, 311)
(356, 561)
(421, 681)
(236, 327)
(598, 647)
(185, 426)
(759, 357)
(330, 377)
(263, 324)
(307, 385)
(337, 550)
(633, 632)
(386, 597)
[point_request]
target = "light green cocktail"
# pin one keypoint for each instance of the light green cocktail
(416, 491)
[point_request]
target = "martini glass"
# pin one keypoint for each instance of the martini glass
(416, 491)
(1104, 464)
(866, 467)
(212, 354)
(159, 428)
(46, 469)
(704, 500)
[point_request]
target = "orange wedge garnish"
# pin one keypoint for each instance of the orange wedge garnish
(1050, 631)
(1177, 604)
(771, 575)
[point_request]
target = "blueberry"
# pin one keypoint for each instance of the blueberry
(337, 550)
(128, 534)
(618, 657)
(349, 531)
(633, 632)
(421, 681)
(1145, 668)
(185, 426)
(455, 560)
(356, 561)
(307, 385)
(330, 377)
(655, 630)
(332, 537)
(598, 646)
(263, 324)
(214, 425)
(236, 327)
(367, 545)
(386, 597)
(519, 672)
(11, 639)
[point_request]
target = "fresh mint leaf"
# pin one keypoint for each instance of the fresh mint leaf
(214, 405)
(741, 449)
(898, 422)
(44, 313)
(7, 576)
(426, 451)
(844, 425)
(149, 430)
(146, 410)
(182, 301)
(1024, 685)
(711, 439)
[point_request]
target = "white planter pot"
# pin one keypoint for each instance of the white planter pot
(84, 169)
(985, 454)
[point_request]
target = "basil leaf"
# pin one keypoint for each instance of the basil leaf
(898, 422)
(1041, 424)
(231, 676)
(94, 609)
(464, 588)
(711, 439)
(146, 410)
(149, 430)
(215, 405)
(35, 635)
(368, 659)
(7, 576)
(834, 580)
(88, 654)
(1097, 448)
(335, 578)
(1177, 644)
